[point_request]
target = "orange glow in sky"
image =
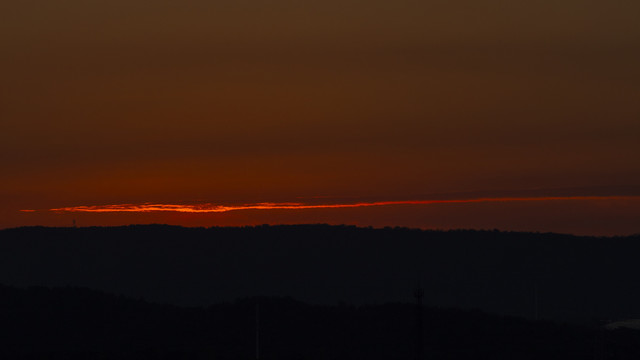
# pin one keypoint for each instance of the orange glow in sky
(212, 208)
(233, 113)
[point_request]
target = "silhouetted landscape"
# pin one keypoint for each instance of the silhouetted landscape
(323, 292)
(550, 276)
(74, 323)
(409, 122)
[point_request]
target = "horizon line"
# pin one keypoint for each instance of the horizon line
(213, 208)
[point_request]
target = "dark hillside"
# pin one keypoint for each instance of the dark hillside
(524, 274)
(74, 323)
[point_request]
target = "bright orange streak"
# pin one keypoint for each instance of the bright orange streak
(211, 208)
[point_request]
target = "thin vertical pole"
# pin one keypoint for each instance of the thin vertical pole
(257, 330)
(536, 312)
(419, 293)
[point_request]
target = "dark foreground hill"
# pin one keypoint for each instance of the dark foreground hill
(74, 323)
(549, 276)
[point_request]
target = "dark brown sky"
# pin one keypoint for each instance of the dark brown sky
(109, 102)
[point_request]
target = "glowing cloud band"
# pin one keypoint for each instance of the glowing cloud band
(212, 208)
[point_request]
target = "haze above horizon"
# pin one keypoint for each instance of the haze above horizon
(323, 103)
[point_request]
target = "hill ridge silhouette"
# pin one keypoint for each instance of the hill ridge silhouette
(556, 276)
(78, 323)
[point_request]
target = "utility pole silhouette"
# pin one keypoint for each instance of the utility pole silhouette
(418, 293)
(536, 311)
(257, 330)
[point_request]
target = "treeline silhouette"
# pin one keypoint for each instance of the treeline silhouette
(534, 275)
(77, 323)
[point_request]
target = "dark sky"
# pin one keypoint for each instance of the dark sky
(236, 102)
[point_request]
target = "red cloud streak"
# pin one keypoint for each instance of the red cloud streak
(212, 208)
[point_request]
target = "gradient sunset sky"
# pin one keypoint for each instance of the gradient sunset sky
(533, 106)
